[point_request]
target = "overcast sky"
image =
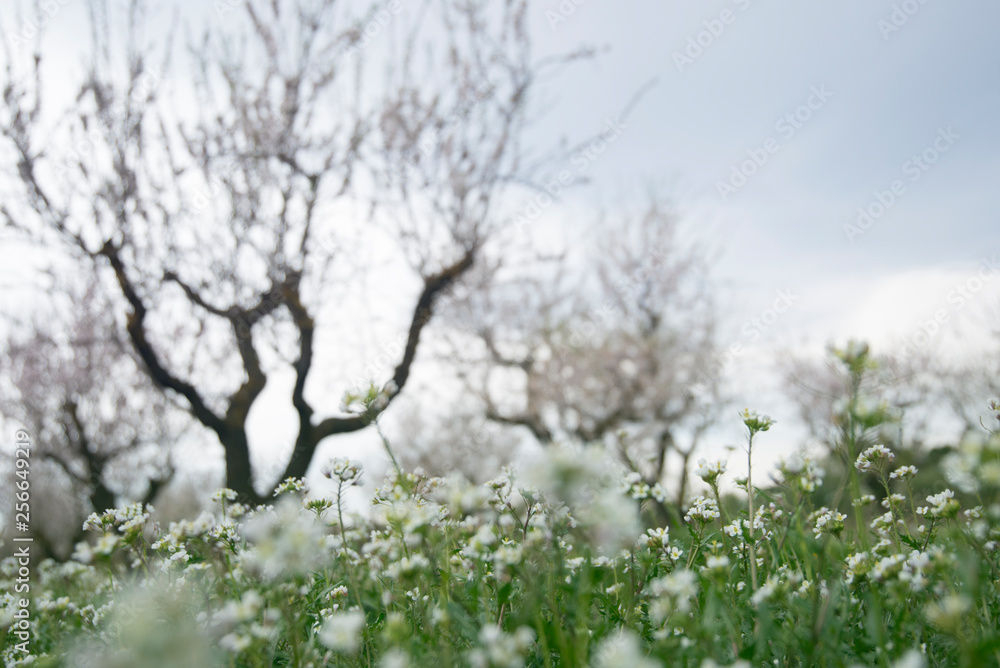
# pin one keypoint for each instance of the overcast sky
(833, 104)
(770, 125)
(888, 94)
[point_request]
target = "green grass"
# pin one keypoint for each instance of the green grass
(552, 568)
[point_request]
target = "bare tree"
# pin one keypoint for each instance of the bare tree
(231, 209)
(461, 441)
(968, 387)
(92, 414)
(913, 385)
(605, 348)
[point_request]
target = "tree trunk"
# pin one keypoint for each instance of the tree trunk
(239, 473)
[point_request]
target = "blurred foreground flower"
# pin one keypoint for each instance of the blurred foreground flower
(622, 649)
(341, 632)
(586, 482)
(283, 542)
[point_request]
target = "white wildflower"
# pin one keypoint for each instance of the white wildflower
(657, 538)
(947, 613)
(756, 422)
(875, 458)
(342, 470)
(284, 541)
(341, 632)
(943, 505)
(502, 650)
(716, 565)
(913, 658)
(622, 649)
(709, 471)
(703, 509)
(395, 658)
(826, 521)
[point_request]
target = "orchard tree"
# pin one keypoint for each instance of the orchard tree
(234, 209)
(101, 433)
(607, 346)
(904, 398)
(912, 383)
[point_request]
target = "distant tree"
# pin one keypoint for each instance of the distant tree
(923, 392)
(458, 442)
(909, 400)
(608, 345)
(235, 211)
(969, 387)
(100, 431)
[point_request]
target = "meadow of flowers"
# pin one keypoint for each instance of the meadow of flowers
(562, 564)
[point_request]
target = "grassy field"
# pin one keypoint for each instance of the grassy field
(559, 565)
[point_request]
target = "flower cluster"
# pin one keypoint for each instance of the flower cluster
(903, 473)
(343, 471)
(703, 509)
(441, 571)
(709, 471)
(756, 422)
(943, 505)
(875, 458)
(826, 521)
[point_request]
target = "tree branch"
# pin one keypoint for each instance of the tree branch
(194, 297)
(533, 423)
(307, 327)
(137, 335)
(433, 286)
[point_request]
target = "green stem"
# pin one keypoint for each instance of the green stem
(892, 510)
(350, 567)
(753, 556)
(385, 444)
(723, 520)
(851, 443)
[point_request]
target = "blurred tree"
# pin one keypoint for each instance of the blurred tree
(969, 387)
(460, 441)
(606, 345)
(928, 396)
(234, 209)
(913, 401)
(98, 423)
